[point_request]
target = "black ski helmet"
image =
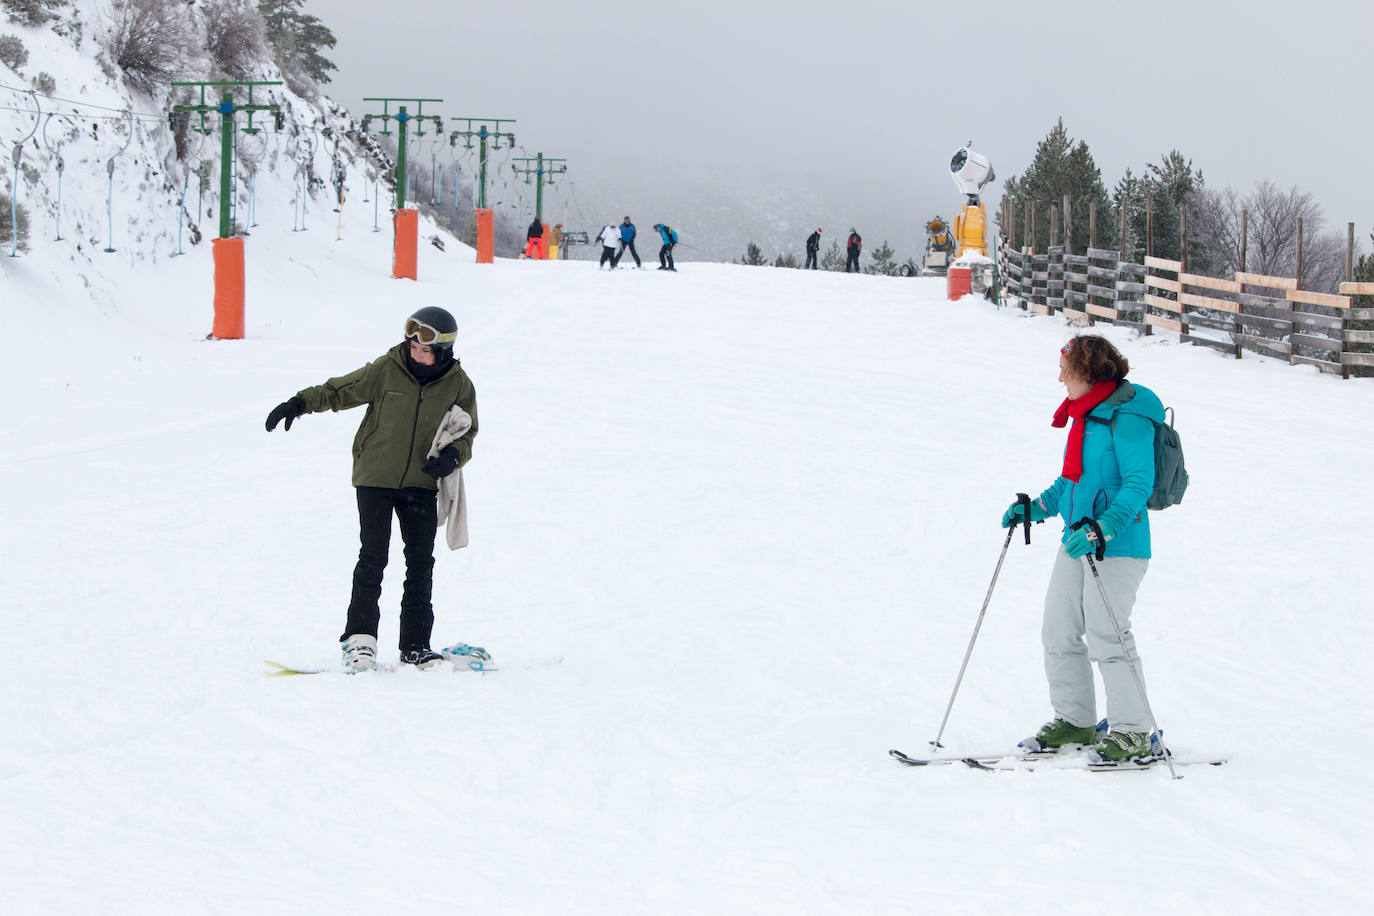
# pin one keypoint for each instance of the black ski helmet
(436, 324)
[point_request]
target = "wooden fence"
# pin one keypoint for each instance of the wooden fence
(1262, 314)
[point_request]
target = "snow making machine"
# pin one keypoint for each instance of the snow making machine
(939, 248)
(971, 171)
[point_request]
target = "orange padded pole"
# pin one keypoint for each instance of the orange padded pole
(486, 236)
(228, 256)
(407, 225)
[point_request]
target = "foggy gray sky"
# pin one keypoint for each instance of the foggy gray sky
(867, 101)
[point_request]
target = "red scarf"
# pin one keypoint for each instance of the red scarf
(1078, 409)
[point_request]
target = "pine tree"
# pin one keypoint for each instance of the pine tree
(883, 260)
(786, 260)
(1167, 185)
(1061, 167)
(833, 258)
(297, 40)
(753, 256)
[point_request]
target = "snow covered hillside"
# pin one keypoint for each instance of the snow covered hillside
(755, 512)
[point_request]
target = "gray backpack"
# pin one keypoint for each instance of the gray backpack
(1171, 477)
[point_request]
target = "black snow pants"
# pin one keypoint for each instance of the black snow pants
(415, 509)
(852, 260)
(665, 257)
(630, 245)
(810, 259)
(608, 254)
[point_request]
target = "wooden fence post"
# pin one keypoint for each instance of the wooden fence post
(1124, 255)
(1029, 237)
(1011, 224)
(1299, 270)
(1183, 234)
(1092, 224)
(1068, 224)
(1349, 252)
(1149, 227)
(1054, 224)
(1244, 237)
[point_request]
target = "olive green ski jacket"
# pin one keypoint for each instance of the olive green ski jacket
(401, 420)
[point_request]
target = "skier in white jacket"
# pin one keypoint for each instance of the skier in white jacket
(610, 241)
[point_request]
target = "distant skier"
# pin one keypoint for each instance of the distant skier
(627, 240)
(534, 239)
(665, 254)
(1108, 476)
(556, 241)
(419, 401)
(610, 240)
(813, 245)
(853, 247)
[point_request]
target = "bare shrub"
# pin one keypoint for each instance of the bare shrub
(6, 231)
(43, 83)
(147, 39)
(1272, 238)
(235, 36)
(13, 54)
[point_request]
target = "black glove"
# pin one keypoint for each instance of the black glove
(442, 464)
(286, 410)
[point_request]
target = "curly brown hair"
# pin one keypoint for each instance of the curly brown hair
(1094, 358)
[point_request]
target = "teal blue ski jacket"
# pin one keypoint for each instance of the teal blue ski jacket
(1118, 471)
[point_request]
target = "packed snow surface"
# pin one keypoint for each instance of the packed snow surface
(754, 510)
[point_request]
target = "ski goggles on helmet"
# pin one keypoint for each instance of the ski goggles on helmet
(428, 334)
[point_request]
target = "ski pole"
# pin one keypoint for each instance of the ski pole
(1024, 502)
(1120, 636)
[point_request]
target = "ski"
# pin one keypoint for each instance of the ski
(1123, 766)
(945, 761)
(1028, 761)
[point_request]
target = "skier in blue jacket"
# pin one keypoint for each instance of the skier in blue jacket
(627, 240)
(1107, 476)
(665, 254)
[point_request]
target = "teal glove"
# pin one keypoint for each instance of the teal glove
(1084, 540)
(1013, 513)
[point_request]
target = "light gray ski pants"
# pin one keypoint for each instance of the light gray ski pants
(1074, 610)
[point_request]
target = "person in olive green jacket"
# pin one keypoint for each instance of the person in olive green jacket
(407, 392)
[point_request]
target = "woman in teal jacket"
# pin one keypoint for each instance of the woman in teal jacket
(1107, 476)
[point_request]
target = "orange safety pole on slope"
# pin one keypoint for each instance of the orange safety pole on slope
(486, 236)
(406, 255)
(229, 289)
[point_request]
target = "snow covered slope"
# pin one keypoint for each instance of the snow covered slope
(755, 510)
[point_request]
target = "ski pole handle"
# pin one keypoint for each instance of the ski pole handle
(1097, 534)
(1023, 499)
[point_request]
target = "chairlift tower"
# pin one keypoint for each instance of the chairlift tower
(481, 135)
(538, 170)
(406, 222)
(402, 117)
(227, 108)
(486, 228)
(227, 249)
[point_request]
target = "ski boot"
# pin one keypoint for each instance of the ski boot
(1059, 734)
(359, 653)
(421, 658)
(1119, 747)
